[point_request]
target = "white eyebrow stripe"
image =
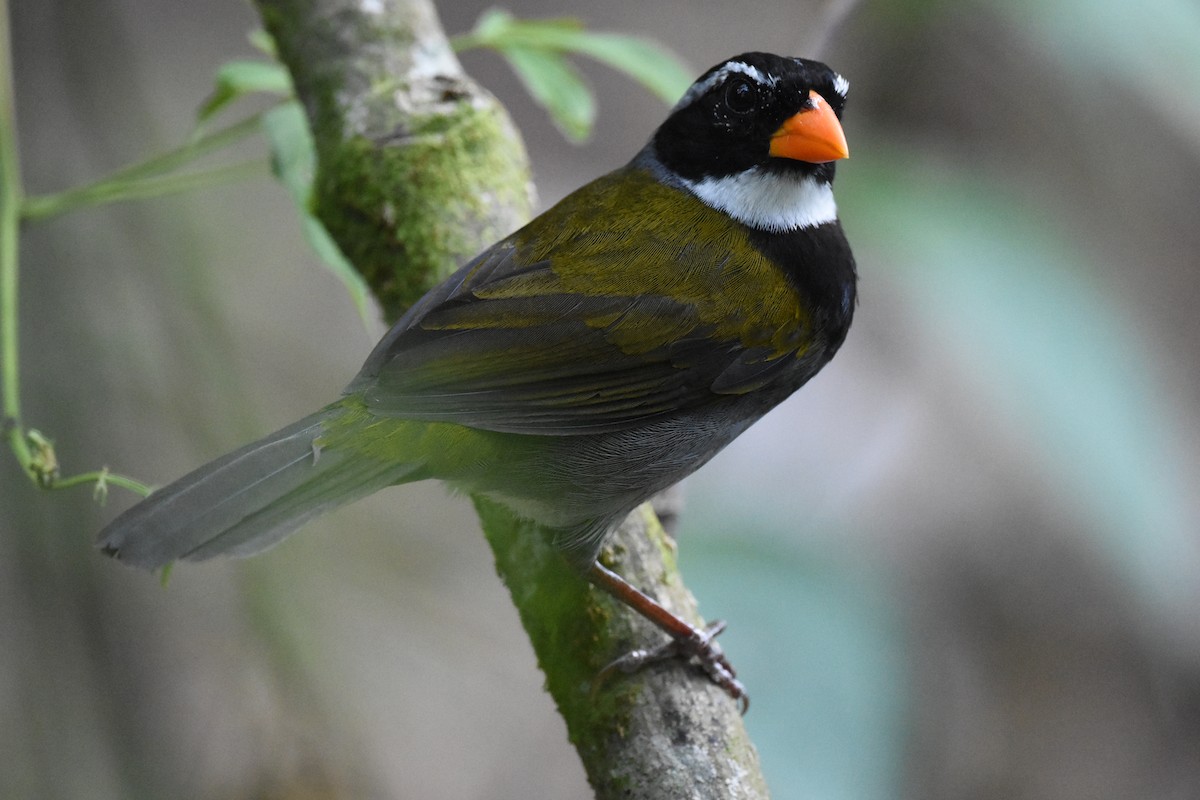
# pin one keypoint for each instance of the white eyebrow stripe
(729, 68)
(841, 86)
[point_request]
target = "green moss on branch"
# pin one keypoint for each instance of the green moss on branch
(418, 168)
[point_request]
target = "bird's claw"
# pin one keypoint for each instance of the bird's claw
(701, 646)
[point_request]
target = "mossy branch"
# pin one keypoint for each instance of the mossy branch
(418, 169)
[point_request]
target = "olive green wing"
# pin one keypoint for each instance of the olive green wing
(514, 347)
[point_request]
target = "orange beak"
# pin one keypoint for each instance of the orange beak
(813, 135)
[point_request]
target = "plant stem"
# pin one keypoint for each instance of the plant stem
(23, 442)
(147, 177)
(104, 478)
(10, 204)
(112, 191)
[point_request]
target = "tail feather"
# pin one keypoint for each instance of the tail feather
(248, 500)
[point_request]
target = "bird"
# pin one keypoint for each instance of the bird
(594, 357)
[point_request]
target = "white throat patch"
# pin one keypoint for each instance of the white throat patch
(767, 201)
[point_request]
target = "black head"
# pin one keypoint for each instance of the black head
(726, 123)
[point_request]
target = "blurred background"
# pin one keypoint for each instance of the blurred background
(962, 563)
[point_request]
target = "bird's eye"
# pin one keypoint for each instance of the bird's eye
(741, 96)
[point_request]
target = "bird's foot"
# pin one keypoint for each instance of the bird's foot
(699, 645)
(687, 641)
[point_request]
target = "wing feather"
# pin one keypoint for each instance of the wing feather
(597, 336)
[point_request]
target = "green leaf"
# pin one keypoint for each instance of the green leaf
(1050, 355)
(557, 87)
(647, 62)
(1152, 47)
(263, 42)
(236, 79)
(536, 50)
(293, 160)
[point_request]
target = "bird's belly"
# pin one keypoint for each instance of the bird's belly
(577, 482)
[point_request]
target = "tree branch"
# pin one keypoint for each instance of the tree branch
(418, 169)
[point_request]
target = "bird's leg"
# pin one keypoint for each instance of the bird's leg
(687, 641)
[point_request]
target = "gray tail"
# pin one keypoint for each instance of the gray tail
(248, 500)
